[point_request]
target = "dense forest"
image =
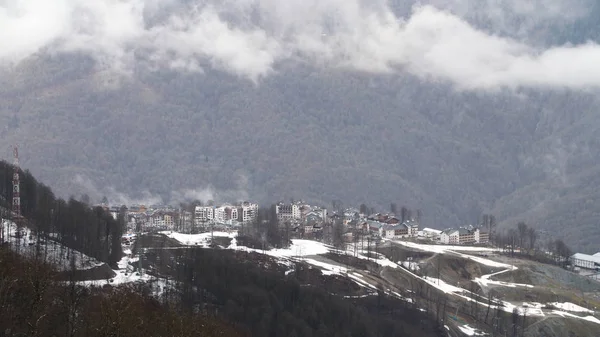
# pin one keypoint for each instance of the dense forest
(33, 302)
(252, 290)
(92, 231)
(206, 287)
(314, 135)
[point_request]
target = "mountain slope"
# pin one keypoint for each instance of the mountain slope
(306, 133)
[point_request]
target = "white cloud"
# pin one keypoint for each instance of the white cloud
(204, 194)
(187, 195)
(114, 196)
(249, 37)
(27, 26)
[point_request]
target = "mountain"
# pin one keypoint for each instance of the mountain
(232, 102)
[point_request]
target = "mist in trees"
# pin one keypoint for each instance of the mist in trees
(524, 240)
(266, 231)
(92, 231)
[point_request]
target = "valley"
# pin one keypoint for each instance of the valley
(467, 290)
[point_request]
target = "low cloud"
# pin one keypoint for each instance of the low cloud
(438, 40)
(203, 194)
(114, 196)
(239, 193)
(187, 195)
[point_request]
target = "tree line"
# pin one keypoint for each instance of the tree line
(34, 302)
(525, 240)
(266, 302)
(92, 231)
(403, 213)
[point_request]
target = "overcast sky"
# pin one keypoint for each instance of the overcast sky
(472, 43)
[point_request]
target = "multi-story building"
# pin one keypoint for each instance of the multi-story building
(219, 214)
(247, 212)
(463, 236)
(586, 261)
(287, 212)
(169, 220)
(243, 212)
(481, 236)
(156, 220)
(204, 213)
(231, 213)
(449, 236)
(432, 234)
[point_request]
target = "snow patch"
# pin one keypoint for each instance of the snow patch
(469, 331)
(445, 248)
(586, 318)
(56, 253)
(567, 306)
(443, 286)
(485, 280)
(410, 265)
(202, 239)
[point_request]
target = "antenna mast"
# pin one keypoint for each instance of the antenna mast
(16, 204)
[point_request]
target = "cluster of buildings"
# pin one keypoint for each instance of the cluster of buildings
(389, 226)
(386, 226)
(243, 212)
(301, 218)
(141, 218)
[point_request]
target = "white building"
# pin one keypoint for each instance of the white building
(463, 236)
(169, 220)
(220, 214)
(232, 213)
(432, 234)
(586, 261)
(247, 212)
(449, 236)
(287, 212)
(204, 213)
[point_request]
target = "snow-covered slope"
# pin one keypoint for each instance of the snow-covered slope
(25, 243)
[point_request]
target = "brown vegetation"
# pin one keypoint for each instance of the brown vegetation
(33, 302)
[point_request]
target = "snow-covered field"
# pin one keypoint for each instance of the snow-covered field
(571, 307)
(55, 253)
(444, 248)
(485, 280)
(530, 309)
(469, 331)
(299, 250)
(128, 274)
(307, 250)
(202, 239)
(586, 318)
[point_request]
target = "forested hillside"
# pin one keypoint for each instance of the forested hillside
(76, 225)
(255, 292)
(453, 107)
(318, 136)
(204, 292)
(35, 303)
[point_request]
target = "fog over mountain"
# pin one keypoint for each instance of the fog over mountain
(456, 107)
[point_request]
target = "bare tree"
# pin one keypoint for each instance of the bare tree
(532, 236)
(363, 209)
(563, 252)
(522, 228)
(404, 213)
(338, 235)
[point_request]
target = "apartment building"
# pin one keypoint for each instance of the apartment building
(287, 212)
(204, 213)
